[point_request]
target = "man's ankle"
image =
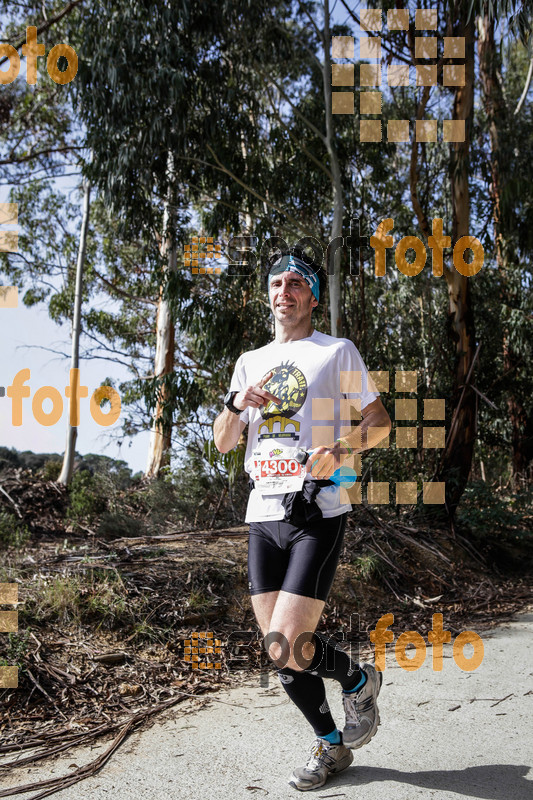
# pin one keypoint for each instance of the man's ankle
(358, 685)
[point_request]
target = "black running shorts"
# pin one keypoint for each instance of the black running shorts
(298, 560)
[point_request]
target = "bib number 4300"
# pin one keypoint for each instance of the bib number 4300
(280, 466)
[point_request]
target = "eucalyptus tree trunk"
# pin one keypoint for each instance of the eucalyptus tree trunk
(248, 222)
(72, 430)
(334, 279)
(495, 111)
(456, 460)
(161, 431)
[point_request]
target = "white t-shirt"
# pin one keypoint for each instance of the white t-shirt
(319, 368)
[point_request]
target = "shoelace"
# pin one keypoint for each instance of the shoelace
(350, 706)
(319, 756)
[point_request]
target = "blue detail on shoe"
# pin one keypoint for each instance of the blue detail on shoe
(359, 685)
(334, 737)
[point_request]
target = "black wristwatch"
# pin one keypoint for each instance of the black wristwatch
(228, 402)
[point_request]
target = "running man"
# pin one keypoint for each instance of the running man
(285, 392)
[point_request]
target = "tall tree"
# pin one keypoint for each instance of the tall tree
(141, 84)
(135, 116)
(72, 430)
(160, 435)
(338, 194)
(38, 135)
(457, 455)
(507, 244)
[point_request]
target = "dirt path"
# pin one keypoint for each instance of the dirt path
(443, 735)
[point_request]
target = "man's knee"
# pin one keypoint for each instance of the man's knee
(287, 650)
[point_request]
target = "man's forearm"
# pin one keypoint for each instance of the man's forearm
(226, 430)
(369, 433)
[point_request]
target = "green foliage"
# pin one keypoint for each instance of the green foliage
(13, 532)
(38, 131)
(57, 598)
(105, 600)
(112, 472)
(487, 511)
(142, 95)
(51, 470)
(232, 462)
(85, 496)
(198, 601)
(120, 524)
(16, 649)
(96, 489)
(368, 565)
(185, 497)
(98, 596)
(144, 632)
(246, 125)
(15, 459)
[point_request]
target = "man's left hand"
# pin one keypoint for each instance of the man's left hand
(323, 461)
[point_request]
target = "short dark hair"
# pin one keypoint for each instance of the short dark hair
(299, 253)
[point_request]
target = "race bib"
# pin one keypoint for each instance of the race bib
(276, 474)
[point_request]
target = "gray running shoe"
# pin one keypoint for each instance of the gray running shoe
(325, 758)
(362, 715)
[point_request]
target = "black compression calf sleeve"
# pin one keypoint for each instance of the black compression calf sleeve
(330, 661)
(308, 693)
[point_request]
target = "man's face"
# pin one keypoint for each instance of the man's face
(291, 299)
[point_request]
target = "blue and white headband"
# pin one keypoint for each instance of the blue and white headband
(294, 264)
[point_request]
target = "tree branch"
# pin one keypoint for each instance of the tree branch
(526, 87)
(296, 110)
(122, 292)
(232, 175)
(413, 172)
(302, 147)
(45, 25)
(31, 156)
(320, 33)
(384, 42)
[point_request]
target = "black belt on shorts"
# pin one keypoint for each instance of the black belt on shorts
(301, 507)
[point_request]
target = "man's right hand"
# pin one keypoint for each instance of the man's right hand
(255, 396)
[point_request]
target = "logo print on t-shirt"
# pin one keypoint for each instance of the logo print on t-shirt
(289, 384)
